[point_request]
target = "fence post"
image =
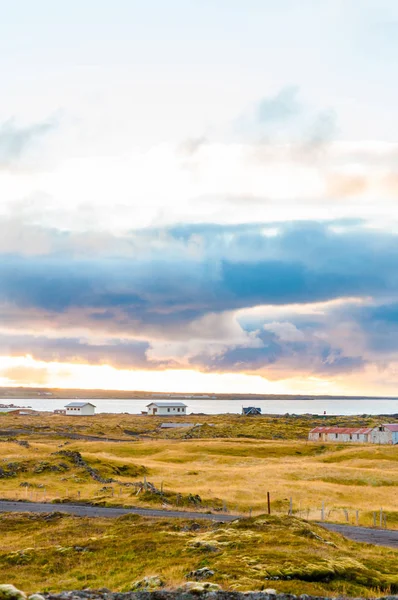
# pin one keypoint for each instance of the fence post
(291, 507)
(269, 503)
(357, 517)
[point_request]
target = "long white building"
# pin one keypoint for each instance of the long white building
(167, 408)
(386, 433)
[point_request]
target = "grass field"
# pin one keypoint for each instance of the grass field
(233, 471)
(59, 552)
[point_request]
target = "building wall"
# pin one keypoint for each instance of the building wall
(163, 411)
(375, 437)
(358, 438)
(381, 437)
(81, 411)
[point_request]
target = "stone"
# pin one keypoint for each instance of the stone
(36, 597)
(194, 587)
(200, 574)
(10, 592)
(147, 584)
(270, 591)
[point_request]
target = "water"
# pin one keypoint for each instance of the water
(343, 406)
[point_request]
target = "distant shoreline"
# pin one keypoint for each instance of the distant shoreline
(21, 393)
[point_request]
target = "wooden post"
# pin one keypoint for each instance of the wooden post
(357, 517)
(269, 503)
(145, 484)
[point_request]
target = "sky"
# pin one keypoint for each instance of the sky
(199, 196)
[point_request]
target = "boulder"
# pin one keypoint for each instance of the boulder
(147, 584)
(200, 574)
(193, 587)
(10, 592)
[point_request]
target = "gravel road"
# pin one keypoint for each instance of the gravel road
(379, 537)
(98, 511)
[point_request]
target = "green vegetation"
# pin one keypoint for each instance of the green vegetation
(54, 552)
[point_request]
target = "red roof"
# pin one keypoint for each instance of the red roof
(391, 426)
(349, 430)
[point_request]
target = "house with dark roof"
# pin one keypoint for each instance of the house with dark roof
(249, 411)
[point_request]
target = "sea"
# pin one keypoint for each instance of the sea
(316, 406)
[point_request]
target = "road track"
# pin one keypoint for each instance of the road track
(378, 537)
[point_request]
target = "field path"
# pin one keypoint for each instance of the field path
(378, 537)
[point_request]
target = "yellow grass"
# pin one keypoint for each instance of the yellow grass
(236, 472)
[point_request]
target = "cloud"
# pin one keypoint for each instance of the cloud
(22, 375)
(282, 106)
(342, 185)
(123, 353)
(15, 141)
(150, 302)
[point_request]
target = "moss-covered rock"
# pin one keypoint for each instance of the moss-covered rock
(10, 592)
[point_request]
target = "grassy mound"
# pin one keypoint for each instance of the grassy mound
(55, 552)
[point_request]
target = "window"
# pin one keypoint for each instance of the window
(336, 435)
(178, 410)
(350, 436)
(168, 410)
(320, 435)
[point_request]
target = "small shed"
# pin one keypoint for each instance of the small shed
(80, 409)
(387, 433)
(167, 408)
(249, 411)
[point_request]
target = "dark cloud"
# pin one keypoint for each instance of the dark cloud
(238, 267)
(121, 353)
(163, 294)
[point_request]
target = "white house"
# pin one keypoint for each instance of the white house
(82, 409)
(167, 408)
